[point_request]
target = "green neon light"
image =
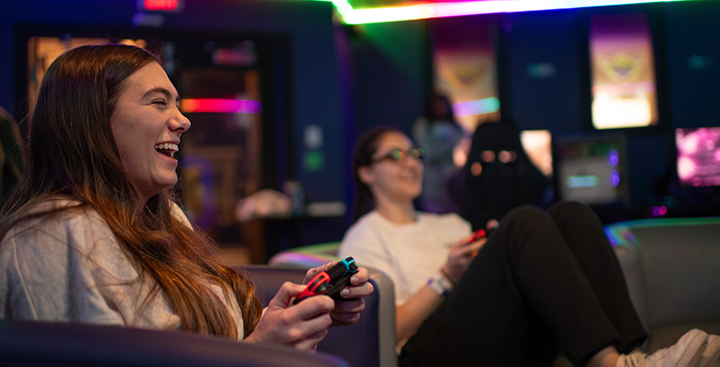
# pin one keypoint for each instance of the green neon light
(342, 6)
(451, 9)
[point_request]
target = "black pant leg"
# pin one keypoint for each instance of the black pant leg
(585, 236)
(522, 294)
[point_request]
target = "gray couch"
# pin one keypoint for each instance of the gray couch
(672, 267)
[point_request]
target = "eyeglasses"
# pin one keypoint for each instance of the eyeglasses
(398, 155)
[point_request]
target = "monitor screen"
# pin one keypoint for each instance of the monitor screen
(698, 156)
(591, 169)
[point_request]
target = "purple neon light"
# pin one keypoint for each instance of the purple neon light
(614, 158)
(615, 178)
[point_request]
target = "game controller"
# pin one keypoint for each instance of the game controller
(477, 235)
(330, 281)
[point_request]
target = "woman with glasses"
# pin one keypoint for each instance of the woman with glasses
(541, 283)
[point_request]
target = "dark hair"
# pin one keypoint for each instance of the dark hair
(430, 108)
(72, 152)
(365, 148)
(12, 154)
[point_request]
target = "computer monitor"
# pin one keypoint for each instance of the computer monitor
(698, 156)
(591, 169)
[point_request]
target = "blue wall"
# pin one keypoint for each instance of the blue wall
(692, 29)
(557, 102)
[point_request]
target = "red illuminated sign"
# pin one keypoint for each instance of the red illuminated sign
(160, 5)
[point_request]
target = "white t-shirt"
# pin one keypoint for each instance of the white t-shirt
(408, 253)
(70, 268)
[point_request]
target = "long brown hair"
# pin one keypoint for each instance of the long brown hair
(365, 148)
(72, 152)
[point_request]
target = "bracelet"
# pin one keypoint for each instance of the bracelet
(439, 285)
(442, 270)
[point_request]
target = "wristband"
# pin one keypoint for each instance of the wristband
(439, 285)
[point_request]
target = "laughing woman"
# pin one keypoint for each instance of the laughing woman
(91, 233)
(543, 281)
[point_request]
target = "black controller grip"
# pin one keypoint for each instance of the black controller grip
(340, 274)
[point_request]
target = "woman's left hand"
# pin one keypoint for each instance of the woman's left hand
(347, 311)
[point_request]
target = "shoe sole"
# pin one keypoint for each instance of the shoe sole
(695, 342)
(711, 353)
(686, 352)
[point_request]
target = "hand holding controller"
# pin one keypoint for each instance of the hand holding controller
(331, 281)
(462, 253)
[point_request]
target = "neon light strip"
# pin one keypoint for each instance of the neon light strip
(477, 107)
(342, 6)
(451, 9)
(220, 105)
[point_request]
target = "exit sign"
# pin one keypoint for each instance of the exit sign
(160, 5)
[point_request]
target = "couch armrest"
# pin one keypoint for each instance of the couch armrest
(634, 278)
(39, 344)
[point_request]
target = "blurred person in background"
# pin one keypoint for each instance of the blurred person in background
(438, 134)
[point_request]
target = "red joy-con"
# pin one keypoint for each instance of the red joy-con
(318, 285)
(480, 233)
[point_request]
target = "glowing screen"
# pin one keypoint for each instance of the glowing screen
(623, 72)
(591, 170)
(698, 156)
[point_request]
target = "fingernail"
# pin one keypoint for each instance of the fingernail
(344, 292)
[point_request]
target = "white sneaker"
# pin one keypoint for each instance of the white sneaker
(711, 353)
(686, 352)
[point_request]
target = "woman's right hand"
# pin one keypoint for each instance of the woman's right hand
(302, 325)
(460, 257)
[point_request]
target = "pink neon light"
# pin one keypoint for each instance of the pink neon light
(659, 211)
(220, 105)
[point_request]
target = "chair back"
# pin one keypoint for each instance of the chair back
(46, 344)
(498, 175)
